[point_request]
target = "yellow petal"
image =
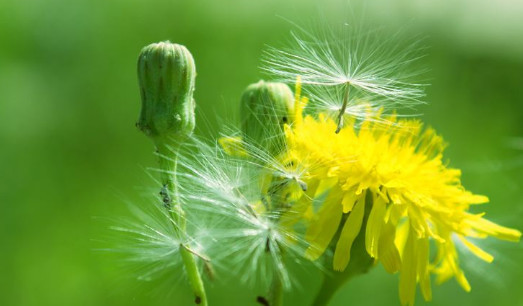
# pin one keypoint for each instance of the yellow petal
(258, 207)
(325, 185)
(349, 232)
(374, 224)
(402, 234)
(407, 285)
(498, 231)
(296, 213)
(476, 250)
(324, 225)
(462, 280)
(349, 198)
(388, 253)
(233, 146)
(422, 254)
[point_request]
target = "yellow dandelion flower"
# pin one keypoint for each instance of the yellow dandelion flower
(414, 196)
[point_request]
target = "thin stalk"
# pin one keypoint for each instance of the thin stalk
(276, 290)
(343, 107)
(276, 293)
(195, 279)
(329, 287)
(168, 162)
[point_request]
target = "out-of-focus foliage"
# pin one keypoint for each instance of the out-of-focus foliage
(69, 149)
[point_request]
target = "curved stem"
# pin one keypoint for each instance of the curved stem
(329, 287)
(276, 293)
(276, 250)
(168, 162)
(195, 279)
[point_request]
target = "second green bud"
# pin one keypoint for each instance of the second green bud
(265, 108)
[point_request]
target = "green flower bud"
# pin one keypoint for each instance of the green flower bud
(166, 74)
(265, 108)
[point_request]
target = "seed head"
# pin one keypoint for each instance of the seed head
(330, 62)
(166, 74)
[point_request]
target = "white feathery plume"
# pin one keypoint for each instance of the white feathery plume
(224, 194)
(146, 242)
(349, 62)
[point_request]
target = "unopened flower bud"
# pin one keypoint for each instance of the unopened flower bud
(166, 74)
(265, 108)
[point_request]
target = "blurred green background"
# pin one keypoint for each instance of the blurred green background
(70, 151)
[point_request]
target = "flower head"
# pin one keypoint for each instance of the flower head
(392, 177)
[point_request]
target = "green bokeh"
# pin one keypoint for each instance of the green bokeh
(69, 150)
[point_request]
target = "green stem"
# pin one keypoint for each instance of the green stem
(194, 276)
(330, 285)
(276, 293)
(168, 161)
(276, 290)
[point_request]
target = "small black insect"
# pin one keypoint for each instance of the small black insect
(263, 301)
